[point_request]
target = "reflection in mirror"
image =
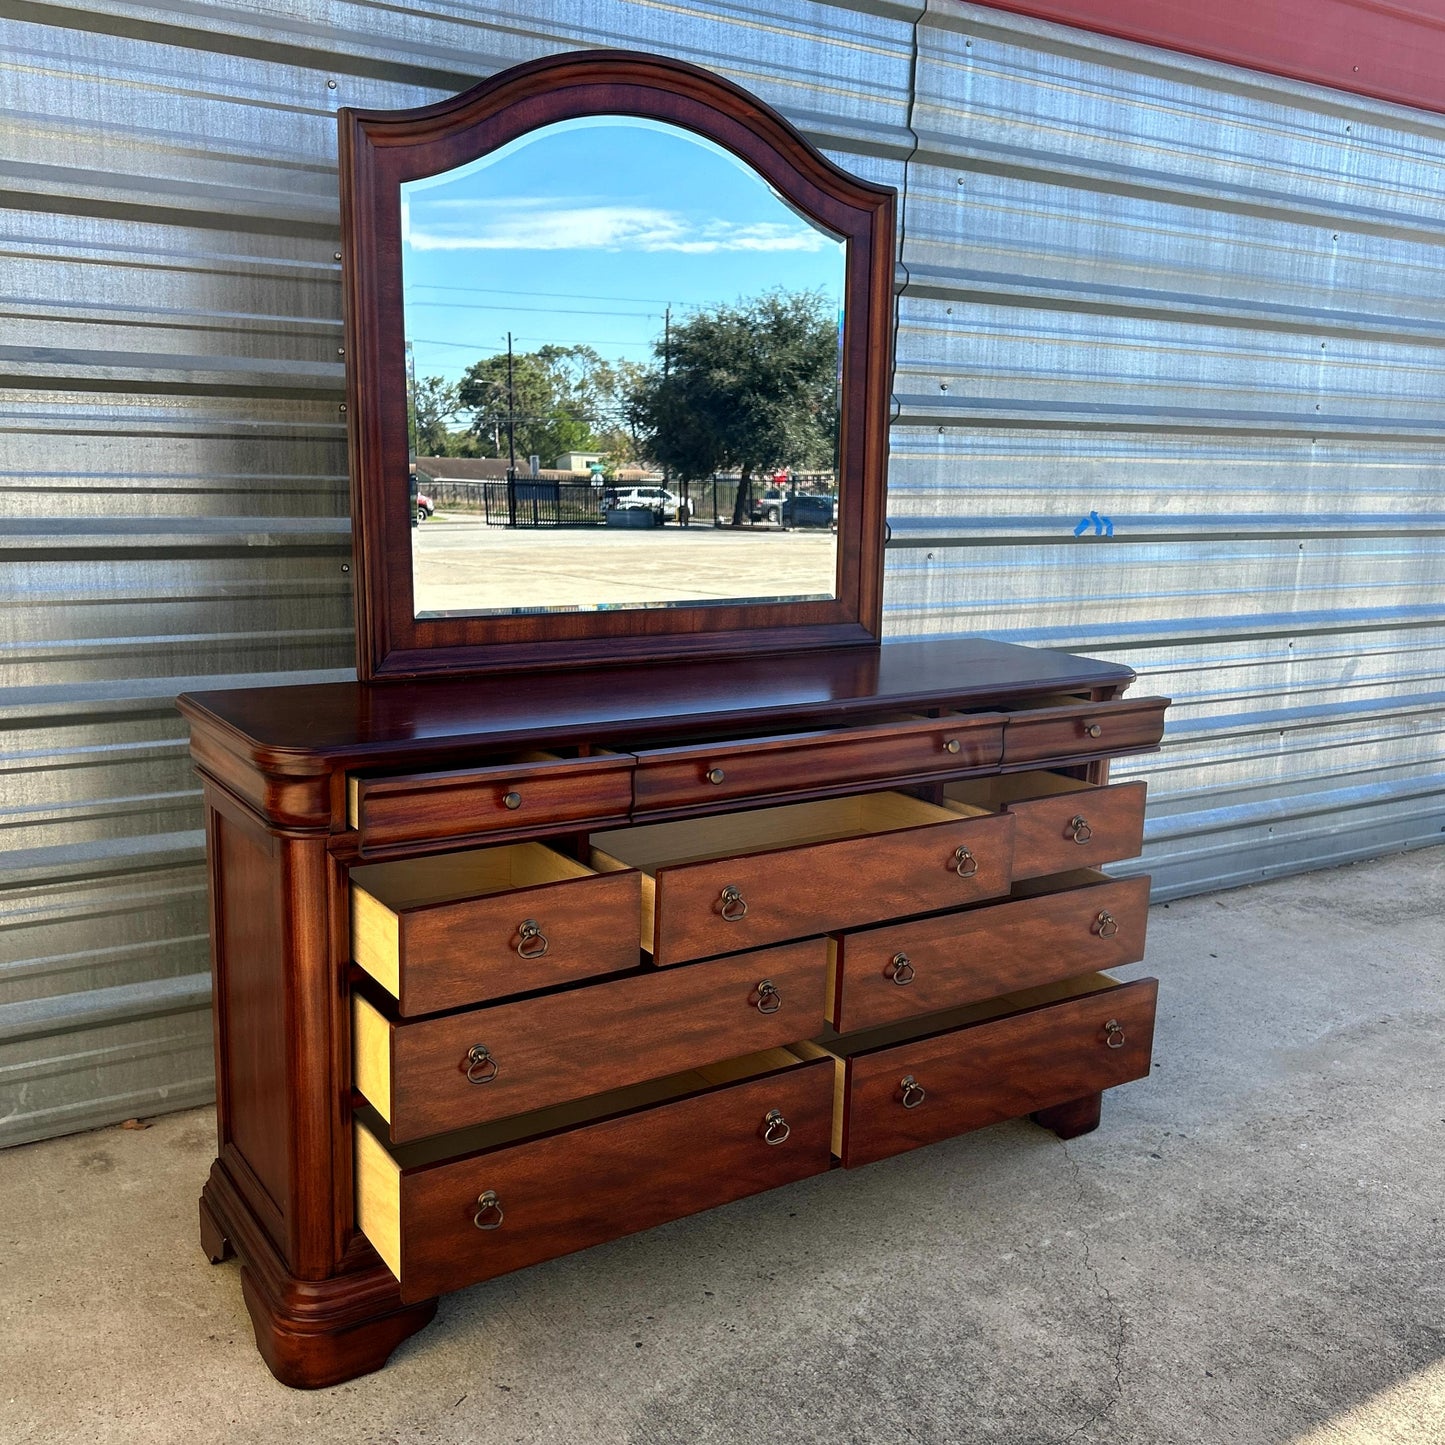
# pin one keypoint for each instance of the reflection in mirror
(623, 353)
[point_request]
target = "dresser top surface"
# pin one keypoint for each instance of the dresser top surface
(347, 721)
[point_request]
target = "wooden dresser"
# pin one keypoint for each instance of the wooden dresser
(507, 967)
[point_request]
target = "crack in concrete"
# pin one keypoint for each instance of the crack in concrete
(1121, 1332)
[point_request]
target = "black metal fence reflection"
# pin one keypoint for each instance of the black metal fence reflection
(527, 502)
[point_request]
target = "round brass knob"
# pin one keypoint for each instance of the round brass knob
(900, 970)
(1114, 1034)
(512, 800)
(952, 745)
(489, 1211)
(481, 1066)
(775, 1128)
(1093, 729)
(913, 1092)
(531, 941)
(715, 775)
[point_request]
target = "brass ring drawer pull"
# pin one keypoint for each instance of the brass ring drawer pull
(512, 800)
(1093, 729)
(1106, 925)
(531, 941)
(1079, 830)
(776, 1128)
(734, 905)
(489, 1211)
(951, 745)
(715, 775)
(900, 970)
(913, 1092)
(769, 999)
(964, 863)
(481, 1066)
(1114, 1034)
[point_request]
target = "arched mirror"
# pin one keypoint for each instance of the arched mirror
(618, 345)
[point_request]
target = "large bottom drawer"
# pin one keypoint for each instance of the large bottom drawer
(984, 1064)
(541, 1185)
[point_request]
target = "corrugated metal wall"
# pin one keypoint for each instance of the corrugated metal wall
(1204, 305)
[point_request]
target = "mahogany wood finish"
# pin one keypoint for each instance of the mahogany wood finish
(1068, 1121)
(505, 801)
(1083, 729)
(587, 1185)
(1048, 837)
(453, 954)
(692, 777)
(380, 150)
(984, 1073)
(588, 1040)
(277, 765)
(826, 886)
(300, 735)
(957, 959)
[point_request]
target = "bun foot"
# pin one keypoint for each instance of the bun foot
(308, 1351)
(1068, 1121)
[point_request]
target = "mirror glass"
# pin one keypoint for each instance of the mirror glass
(623, 352)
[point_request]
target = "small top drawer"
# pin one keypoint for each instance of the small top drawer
(1084, 730)
(534, 792)
(694, 776)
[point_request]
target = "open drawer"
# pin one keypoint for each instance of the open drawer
(981, 1065)
(741, 880)
(1059, 822)
(880, 753)
(430, 1075)
(901, 970)
(467, 1207)
(528, 793)
(455, 929)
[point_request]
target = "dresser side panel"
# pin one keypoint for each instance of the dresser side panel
(251, 1003)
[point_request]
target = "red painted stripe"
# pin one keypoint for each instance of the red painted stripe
(1387, 49)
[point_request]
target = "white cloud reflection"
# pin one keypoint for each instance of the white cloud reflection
(527, 223)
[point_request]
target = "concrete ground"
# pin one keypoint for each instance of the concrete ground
(1249, 1250)
(462, 565)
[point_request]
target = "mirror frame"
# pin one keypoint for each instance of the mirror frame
(380, 150)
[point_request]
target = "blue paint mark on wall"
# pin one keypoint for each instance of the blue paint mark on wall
(1103, 526)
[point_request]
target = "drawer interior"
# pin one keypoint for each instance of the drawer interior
(992, 794)
(697, 840)
(471, 873)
